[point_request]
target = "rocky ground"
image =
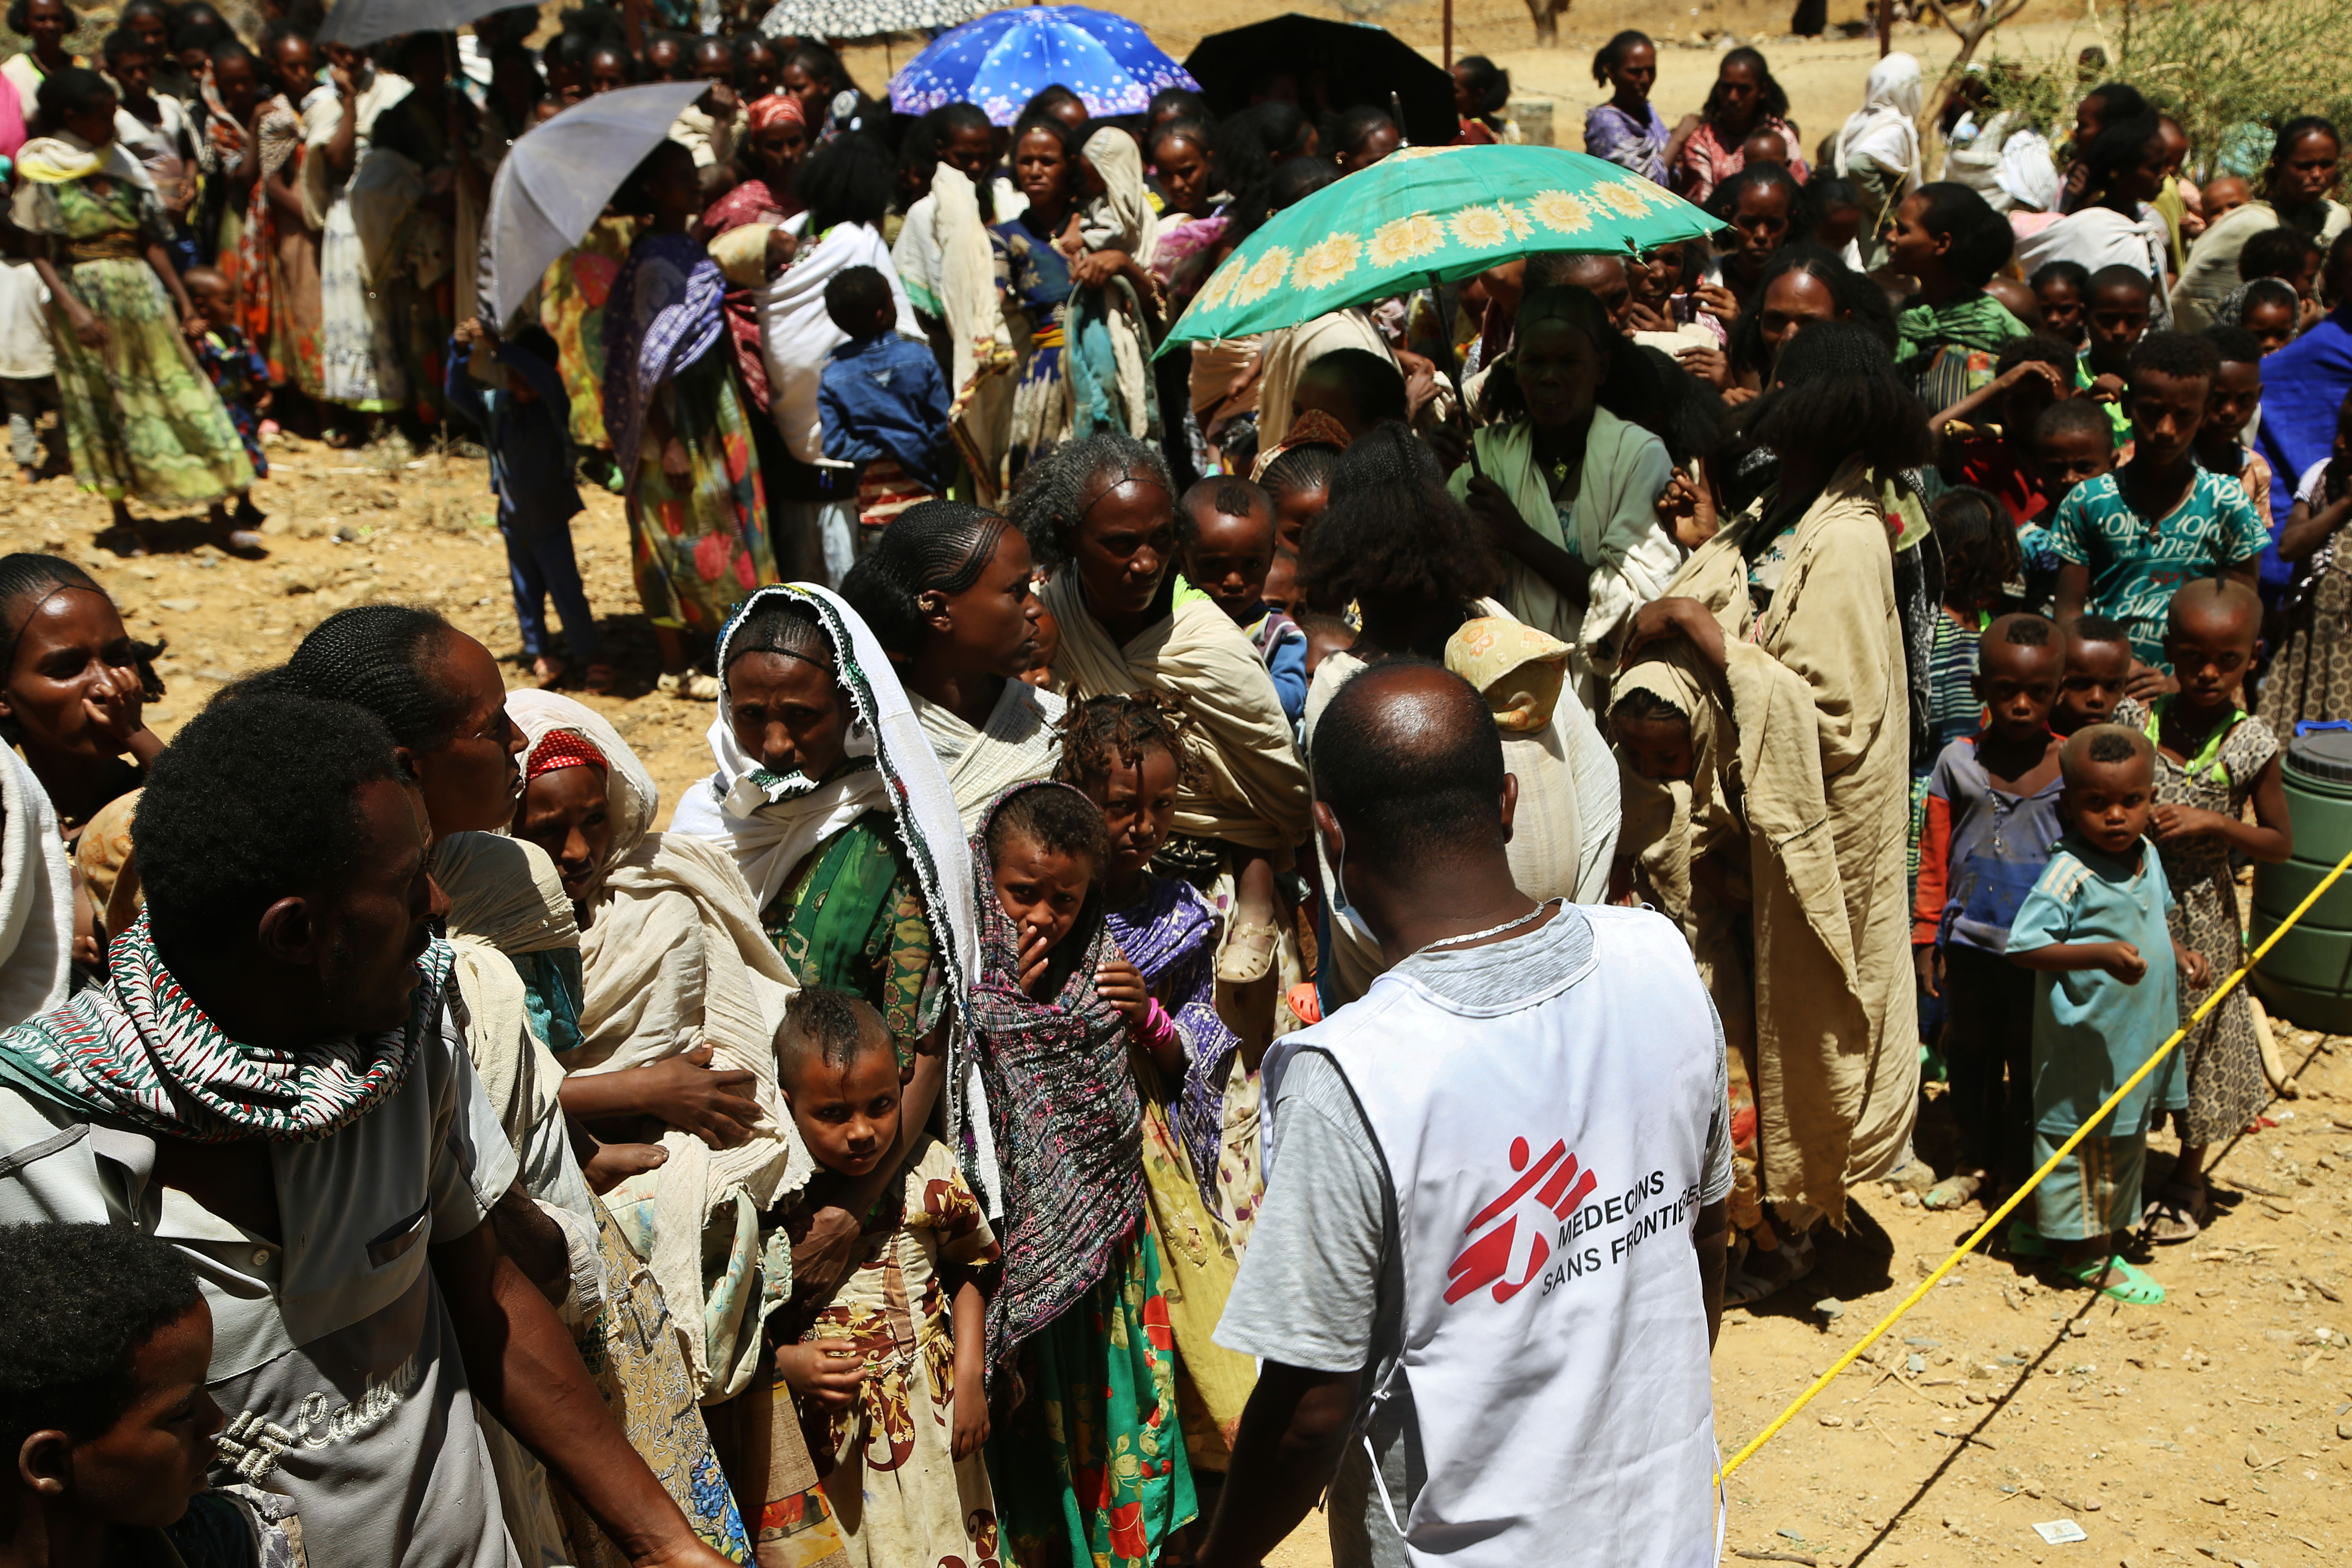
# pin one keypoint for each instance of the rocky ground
(2216, 1427)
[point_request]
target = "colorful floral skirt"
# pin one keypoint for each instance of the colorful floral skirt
(571, 308)
(699, 546)
(140, 419)
(1090, 1466)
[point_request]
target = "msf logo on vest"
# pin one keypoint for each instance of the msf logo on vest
(1511, 1253)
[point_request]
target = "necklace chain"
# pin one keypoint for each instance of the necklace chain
(1494, 930)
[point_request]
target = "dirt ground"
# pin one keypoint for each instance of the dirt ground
(2216, 1427)
(2217, 1424)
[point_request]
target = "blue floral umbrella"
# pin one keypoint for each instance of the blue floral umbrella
(1001, 60)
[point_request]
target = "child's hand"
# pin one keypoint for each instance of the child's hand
(676, 461)
(2030, 370)
(2122, 961)
(2146, 683)
(821, 1372)
(2109, 388)
(971, 1427)
(1035, 952)
(1928, 960)
(90, 330)
(1686, 508)
(2198, 973)
(2170, 823)
(1120, 983)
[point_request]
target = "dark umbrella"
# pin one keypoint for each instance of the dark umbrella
(1336, 65)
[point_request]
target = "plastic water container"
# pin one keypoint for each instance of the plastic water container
(2307, 977)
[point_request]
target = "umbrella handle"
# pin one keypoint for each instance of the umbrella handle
(1454, 372)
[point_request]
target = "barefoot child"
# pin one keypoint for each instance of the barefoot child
(2098, 663)
(1198, 1077)
(237, 370)
(2105, 995)
(1992, 818)
(889, 1374)
(1231, 552)
(2211, 758)
(1070, 1326)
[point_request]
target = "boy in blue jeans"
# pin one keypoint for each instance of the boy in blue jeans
(525, 419)
(882, 401)
(2107, 994)
(1991, 820)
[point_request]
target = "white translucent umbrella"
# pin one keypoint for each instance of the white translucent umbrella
(557, 176)
(361, 22)
(867, 18)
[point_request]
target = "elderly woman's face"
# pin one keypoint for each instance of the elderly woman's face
(1123, 546)
(567, 812)
(788, 712)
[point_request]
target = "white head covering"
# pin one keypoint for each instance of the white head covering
(2028, 171)
(629, 790)
(1884, 130)
(771, 825)
(1115, 157)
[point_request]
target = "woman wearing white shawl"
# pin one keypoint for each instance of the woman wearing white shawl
(1879, 147)
(508, 906)
(673, 961)
(946, 590)
(37, 897)
(828, 798)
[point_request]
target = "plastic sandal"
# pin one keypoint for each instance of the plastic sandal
(1249, 954)
(2132, 1285)
(2168, 1219)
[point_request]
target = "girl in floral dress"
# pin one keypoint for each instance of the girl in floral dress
(2211, 758)
(900, 1458)
(697, 515)
(139, 418)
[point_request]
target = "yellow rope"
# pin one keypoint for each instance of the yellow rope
(2048, 1165)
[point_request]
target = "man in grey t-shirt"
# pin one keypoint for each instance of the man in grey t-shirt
(1322, 1288)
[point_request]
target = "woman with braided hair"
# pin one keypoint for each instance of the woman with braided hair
(946, 590)
(1102, 513)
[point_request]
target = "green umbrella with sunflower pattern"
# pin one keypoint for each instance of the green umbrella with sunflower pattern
(1425, 216)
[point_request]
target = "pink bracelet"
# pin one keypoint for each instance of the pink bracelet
(1157, 1029)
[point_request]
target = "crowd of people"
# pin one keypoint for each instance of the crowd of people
(1035, 1099)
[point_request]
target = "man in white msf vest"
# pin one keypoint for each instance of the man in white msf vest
(1486, 1276)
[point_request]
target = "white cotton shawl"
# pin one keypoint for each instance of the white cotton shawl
(37, 897)
(675, 958)
(1885, 130)
(1016, 745)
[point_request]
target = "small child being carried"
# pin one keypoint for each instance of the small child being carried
(881, 401)
(888, 1375)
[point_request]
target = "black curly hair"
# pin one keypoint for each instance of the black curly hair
(1096, 729)
(822, 1025)
(1391, 539)
(72, 90)
(255, 798)
(2183, 356)
(846, 180)
(1055, 818)
(1056, 490)
(77, 1301)
(935, 547)
(1838, 394)
(1980, 546)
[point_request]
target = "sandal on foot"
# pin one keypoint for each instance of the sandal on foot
(599, 679)
(1249, 954)
(549, 673)
(2171, 1218)
(1954, 1190)
(2123, 1279)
